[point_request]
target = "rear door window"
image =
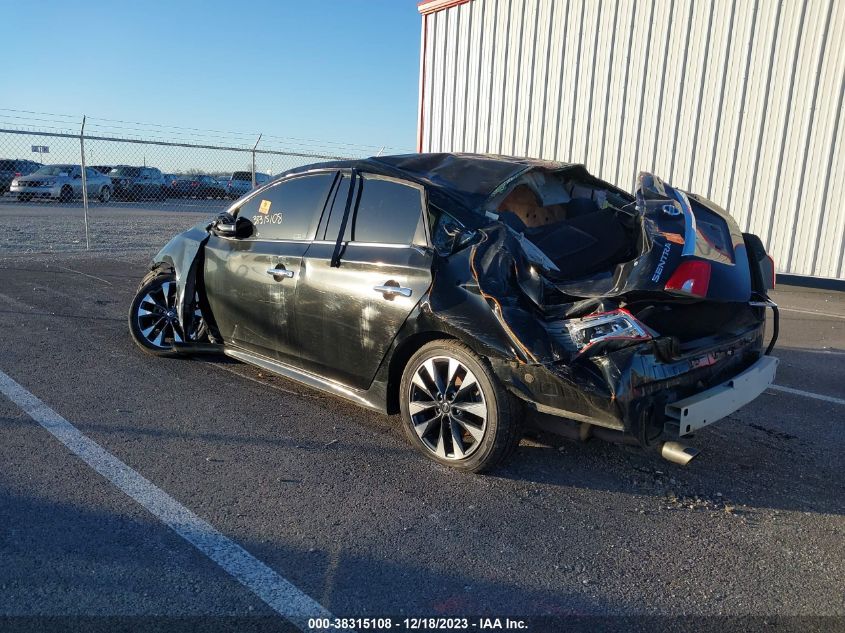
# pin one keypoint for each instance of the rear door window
(389, 212)
(290, 209)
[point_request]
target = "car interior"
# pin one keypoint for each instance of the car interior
(582, 228)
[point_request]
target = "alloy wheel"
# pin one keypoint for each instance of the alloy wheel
(158, 320)
(447, 407)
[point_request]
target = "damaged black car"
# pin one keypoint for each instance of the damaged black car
(476, 294)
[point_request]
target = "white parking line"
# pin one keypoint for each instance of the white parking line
(814, 312)
(827, 352)
(279, 594)
(807, 394)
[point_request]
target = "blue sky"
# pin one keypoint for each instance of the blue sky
(335, 70)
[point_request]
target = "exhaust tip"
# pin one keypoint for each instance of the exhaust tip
(678, 453)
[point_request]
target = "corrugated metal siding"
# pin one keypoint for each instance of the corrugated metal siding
(738, 100)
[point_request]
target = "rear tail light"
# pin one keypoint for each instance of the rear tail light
(692, 278)
(194, 184)
(605, 326)
(18, 174)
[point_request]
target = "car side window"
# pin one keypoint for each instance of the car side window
(389, 212)
(288, 210)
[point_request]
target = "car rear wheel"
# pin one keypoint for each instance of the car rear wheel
(105, 194)
(66, 194)
(153, 317)
(454, 409)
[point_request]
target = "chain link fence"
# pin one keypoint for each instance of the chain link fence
(138, 167)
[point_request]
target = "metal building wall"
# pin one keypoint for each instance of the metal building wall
(737, 100)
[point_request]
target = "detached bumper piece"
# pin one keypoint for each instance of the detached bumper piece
(692, 413)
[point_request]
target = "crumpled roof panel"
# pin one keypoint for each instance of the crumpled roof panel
(465, 179)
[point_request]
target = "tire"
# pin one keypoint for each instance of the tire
(66, 194)
(152, 316)
(471, 425)
(105, 194)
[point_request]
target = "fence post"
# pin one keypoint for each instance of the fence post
(253, 160)
(84, 181)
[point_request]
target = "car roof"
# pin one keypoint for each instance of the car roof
(463, 180)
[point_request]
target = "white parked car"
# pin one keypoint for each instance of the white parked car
(61, 182)
(241, 183)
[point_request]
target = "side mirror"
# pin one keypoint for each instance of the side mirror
(227, 226)
(243, 228)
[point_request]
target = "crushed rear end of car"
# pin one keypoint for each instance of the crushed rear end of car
(640, 318)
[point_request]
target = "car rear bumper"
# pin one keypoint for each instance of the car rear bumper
(637, 389)
(711, 405)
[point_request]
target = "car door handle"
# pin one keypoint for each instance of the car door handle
(390, 290)
(280, 272)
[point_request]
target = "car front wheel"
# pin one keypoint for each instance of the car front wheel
(454, 409)
(105, 194)
(153, 316)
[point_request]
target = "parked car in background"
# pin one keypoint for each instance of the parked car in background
(241, 183)
(169, 179)
(198, 187)
(137, 183)
(103, 169)
(11, 168)
(62, 182)
(473, 293)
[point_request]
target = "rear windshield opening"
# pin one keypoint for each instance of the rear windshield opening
(582, 227)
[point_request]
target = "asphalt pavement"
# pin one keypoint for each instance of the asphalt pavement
(331, 498)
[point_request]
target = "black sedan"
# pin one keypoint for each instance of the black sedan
(475, 294)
